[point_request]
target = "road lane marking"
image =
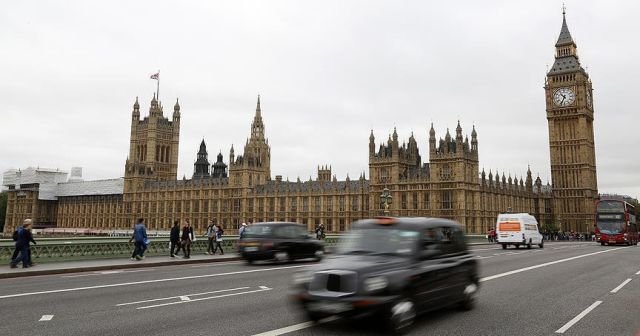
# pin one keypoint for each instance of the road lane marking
(264, 287)
(217, 264)
(638, 272)
(485, 249)
(578, 318)
(149, 281)
(304, 325)
(185, 298)
(295, 327)
(205, 298)
(615, 290)
(46, 318)
(544, 264)
(181, 296)
(107, 273)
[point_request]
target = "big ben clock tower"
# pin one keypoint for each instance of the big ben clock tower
(570, 115)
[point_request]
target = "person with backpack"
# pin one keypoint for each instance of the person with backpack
(23, 238)
(219, 233)
(211, 236)
(174, 239)
(140, 240)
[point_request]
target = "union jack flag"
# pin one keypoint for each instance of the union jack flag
(155, 76)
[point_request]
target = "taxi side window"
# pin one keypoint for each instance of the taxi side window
(443, 240)
(432, 241)
(457, 241)
(284, 232)
(300, 232)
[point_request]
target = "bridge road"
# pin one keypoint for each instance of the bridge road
(531, 292)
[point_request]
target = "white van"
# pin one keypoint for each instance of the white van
(518, 229)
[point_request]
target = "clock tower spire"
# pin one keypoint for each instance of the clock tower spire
(569, 108)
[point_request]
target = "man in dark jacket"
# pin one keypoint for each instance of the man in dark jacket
(139, 238)
(175, 239)
(22, 244)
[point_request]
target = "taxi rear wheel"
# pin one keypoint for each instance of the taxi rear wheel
(401, 316)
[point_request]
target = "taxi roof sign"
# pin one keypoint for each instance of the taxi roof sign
(384, 220)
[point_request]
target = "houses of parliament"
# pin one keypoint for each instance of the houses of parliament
(242, 188)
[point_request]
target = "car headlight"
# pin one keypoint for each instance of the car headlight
(302, 277)
(375, 284)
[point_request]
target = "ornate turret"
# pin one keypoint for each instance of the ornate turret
(257, 126)
(219, 168)
(136, 108)
(459, 132)
(474, 139)
(176, 107)
(372, 144)
(201, 166)
(566, 52)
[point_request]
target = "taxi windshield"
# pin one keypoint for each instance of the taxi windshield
(379, 242)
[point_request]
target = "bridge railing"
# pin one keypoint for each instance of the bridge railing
(78, 248)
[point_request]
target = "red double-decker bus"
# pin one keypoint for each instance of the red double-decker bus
(616, 223)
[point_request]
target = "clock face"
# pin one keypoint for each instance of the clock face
(588, 98)
(564, 97)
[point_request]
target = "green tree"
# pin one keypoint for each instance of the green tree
(3, 209)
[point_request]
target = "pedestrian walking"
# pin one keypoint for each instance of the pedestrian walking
(219, 233)
(24, 237)
(187, 238)
(174, 239)
(139, 239)
(211, 236)
(241, 230)
(320, 232)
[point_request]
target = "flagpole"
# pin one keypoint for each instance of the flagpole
(158, 88)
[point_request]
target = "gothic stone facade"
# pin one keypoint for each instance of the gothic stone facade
(450, 185)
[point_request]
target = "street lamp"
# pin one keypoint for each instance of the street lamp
(385, 199)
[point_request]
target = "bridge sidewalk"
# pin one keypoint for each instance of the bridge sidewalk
(109, 264)
(106, 264)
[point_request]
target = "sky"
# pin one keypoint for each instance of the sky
(328, 72)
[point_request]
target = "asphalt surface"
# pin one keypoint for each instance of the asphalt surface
(523, 292)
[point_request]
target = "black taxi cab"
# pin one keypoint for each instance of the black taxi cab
(391, 267)
(278, 241)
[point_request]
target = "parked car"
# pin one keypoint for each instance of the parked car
(394, 268)
(279, 241)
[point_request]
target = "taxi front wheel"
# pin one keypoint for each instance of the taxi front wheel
(401, 316)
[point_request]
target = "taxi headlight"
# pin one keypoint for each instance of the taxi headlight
(375, 284)
(301, 278)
